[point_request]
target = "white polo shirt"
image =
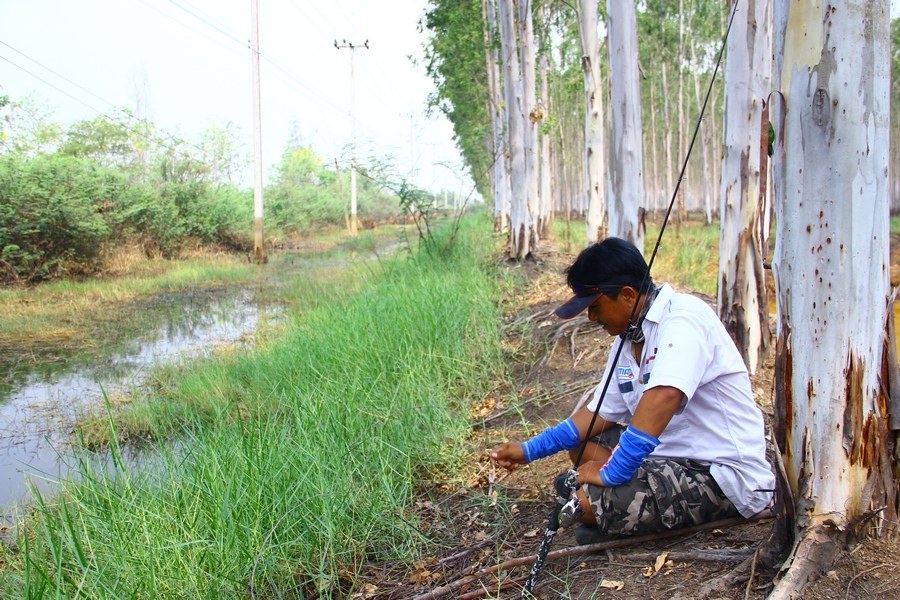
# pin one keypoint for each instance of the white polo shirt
(687, 347)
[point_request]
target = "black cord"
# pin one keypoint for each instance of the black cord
(636, 325)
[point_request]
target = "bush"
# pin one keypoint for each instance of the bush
(51, 215)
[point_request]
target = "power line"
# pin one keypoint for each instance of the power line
(278, 70)
(101, 113)
(314, 94)
(208, 21)
(189, 27)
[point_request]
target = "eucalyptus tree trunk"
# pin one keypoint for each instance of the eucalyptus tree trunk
(715, 137)
(626, 167)
(545, 206)
(499, 171)
(655, 185)
(667, 141)
(594, 129)
(514, 94)
(529, 234)
(742, 299)
(682, 123)
(836, 421)
(705, 165)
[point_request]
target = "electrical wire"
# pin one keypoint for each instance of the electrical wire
(277, 69)
(101, 113)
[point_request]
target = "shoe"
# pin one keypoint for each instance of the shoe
(587, 534)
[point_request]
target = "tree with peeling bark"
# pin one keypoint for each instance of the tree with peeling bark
(545, 196)
(499, 172)
(594, 132)
(836, 421)
(517, 57)
(626, 166)
(742, 299)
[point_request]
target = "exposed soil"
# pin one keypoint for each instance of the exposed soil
(493, 516)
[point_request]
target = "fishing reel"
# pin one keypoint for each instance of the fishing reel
(569, 508)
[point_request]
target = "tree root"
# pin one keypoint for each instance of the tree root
(453, 586)
(814, 554)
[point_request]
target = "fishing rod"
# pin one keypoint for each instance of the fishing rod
(568, 508)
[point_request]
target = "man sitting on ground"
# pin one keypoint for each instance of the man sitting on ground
(678, 440)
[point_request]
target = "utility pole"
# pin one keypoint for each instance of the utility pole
(352, 48)
(259, 254)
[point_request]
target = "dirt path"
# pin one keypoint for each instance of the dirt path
(492, 517)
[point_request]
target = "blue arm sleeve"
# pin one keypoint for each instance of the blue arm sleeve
(634, 446)
(550, 441)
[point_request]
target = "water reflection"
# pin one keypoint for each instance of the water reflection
(39, 406)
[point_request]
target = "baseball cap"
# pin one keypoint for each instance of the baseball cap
(584, 296)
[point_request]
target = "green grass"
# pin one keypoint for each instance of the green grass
(62, 310)
(687, 257)
(295, 464)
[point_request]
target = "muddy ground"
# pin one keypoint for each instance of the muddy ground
(492, 517)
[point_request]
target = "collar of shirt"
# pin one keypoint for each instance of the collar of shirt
(660, 303)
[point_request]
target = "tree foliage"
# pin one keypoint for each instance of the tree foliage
(51, 214)
(69, 198)
(455, 61)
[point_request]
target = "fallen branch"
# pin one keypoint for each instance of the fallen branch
(462, 553)
(723, 555)
(585, 549)
(485, 590)
(752, 574)
(860, 574)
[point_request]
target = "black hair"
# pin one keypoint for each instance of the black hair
(613, 263)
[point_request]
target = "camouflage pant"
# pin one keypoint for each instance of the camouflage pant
(663, 494)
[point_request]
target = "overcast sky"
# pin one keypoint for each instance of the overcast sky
(191, 59)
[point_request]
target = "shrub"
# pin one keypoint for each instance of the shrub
(51, 215)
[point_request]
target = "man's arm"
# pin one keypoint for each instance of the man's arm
(512, 454)
(654, 411)
(656, 408)
(582, 419)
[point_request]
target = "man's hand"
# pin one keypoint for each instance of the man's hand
(589, 472)
(508, 455)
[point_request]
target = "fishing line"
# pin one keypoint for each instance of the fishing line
(568, 505)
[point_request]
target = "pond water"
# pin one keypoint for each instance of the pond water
(39, 405)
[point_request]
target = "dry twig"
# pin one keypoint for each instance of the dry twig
(575, 550)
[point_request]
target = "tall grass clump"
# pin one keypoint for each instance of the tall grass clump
(687, 257)
(293, 465)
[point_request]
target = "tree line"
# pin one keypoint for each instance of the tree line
(69, 197)
(533, 89)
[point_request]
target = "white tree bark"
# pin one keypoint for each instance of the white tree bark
(499, 174)
(513, 93)
(545, 207)
(626, 168)
(682, 121)
(831, 266)
(742, 298)
(706, 166)
(667, 141)
(517, 56)
(594, 130)
(655, 185)
(530, 235)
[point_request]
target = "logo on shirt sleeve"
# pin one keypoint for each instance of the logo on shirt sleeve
(625, 377)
